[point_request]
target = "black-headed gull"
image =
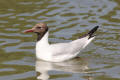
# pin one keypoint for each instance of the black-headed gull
(60, 51)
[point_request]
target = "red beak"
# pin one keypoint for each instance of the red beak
(29, 30)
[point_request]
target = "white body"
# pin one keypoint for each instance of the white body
(61, 51)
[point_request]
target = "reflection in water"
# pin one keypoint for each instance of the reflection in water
(77, 65)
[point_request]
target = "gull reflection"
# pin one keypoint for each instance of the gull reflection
(77, 65)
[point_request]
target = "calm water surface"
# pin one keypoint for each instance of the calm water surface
(67, 20)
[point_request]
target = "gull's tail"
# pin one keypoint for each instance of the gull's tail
(91, 32)
(90, 35)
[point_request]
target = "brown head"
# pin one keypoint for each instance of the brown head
(40, 29)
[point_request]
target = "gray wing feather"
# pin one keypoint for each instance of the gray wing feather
(71, 47)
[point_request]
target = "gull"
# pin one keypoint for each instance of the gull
(60, 51)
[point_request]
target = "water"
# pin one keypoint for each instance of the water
(67, 20)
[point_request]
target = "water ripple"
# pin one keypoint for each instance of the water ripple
(67, 20)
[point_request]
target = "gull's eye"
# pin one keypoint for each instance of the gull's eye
(39, 27)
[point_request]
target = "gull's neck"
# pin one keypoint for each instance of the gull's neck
(44, 39)
(42, 46)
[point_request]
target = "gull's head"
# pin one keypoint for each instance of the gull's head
(40, 28)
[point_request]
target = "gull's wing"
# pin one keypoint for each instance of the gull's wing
(75, 46)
